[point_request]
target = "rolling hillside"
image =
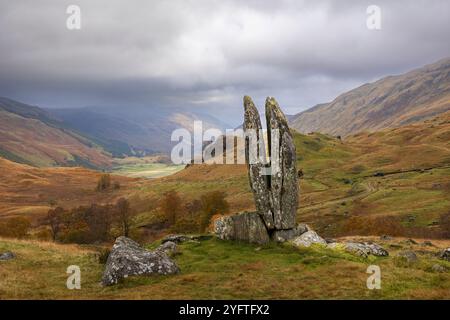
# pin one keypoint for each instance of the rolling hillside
(29, 191)
(365, 177)
(31, 136)
(387, 103)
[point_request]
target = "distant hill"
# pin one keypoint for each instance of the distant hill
(89, 137)
(32, 136)
(387, 103)
(133, 131)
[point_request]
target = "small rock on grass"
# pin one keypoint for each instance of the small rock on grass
(408, 256)
(438, 268)
(7, 256)
(445, 254)
(364, 249)
(168, 247)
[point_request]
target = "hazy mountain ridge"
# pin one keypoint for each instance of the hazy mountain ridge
(88, 137)
(143, 130)
(390, 102)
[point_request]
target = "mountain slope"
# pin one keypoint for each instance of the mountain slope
(387, 103)
(32, 136)
(133, 130)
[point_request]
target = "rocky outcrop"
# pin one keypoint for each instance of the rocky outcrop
(176, 238)
(308, 238)
(246, 227)
(128, 258)
(7, 256)
(283, 182)
(364, 249)
(273, 180)
(179, 238)
(254, 156)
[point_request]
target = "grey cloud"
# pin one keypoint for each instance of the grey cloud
(209, 53)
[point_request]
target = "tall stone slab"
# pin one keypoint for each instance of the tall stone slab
(258, 182)
(274, 184)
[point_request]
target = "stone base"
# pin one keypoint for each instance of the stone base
(288, 234)
(245, 227)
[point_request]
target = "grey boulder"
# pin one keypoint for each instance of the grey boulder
(245, 227)
(307, 239)
(128, 258)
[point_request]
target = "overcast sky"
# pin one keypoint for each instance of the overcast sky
(208, 54)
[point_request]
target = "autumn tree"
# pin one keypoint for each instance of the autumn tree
(17, 227)
(171, 206)
(98, 220)
(54, 220)
(212, 203)
(124, 216)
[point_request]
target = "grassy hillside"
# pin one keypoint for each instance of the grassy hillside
(402, 173)
(365, 180)
(387, 103)
(215, 269)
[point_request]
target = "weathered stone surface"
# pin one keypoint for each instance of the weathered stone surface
(276, 195)
(445, 254)
(408, 256)
(258, 182)
(284, 179)
(7, 255)
(246, 227)
(307, 239)
(363, 249)
(286, 235)
(168, 247)
(274, 184)
(128, 258)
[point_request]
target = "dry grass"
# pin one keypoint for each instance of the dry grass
(223, 270)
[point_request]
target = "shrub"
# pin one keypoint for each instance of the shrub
(104, 182)
(444, 222)
(17, 227)
(54, 220)
(171, 206)
(212, 203)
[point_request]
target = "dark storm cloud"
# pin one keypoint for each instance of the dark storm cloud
(207, 54)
